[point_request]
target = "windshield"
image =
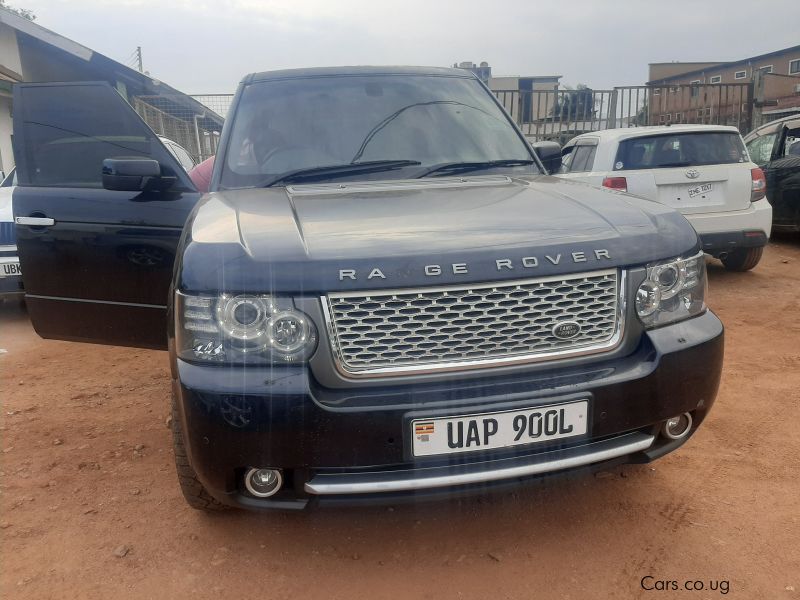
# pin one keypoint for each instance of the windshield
(680, 150)
(283, 126)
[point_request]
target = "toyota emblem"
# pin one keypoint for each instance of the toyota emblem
(693, 173)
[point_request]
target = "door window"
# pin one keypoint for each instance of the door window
(760, 148)
(584, 159)
(791, 141)
(68, 140)
(567, 154)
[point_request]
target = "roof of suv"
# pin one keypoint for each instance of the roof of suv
(790, 121)
(364, 70)
(626, 133)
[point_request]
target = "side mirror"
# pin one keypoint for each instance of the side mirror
(134, 175)
(550, 155)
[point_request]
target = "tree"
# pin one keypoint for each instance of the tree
(642, 116)
(22, 12)
(574, 105)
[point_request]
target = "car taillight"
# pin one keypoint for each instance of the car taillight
(759, 186)
(616, 183)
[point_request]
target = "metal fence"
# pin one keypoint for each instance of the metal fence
(219, 103)
(561, 114)
(713, 104)
(553, 114)
(194, 128)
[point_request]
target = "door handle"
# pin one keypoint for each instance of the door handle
(35, 221)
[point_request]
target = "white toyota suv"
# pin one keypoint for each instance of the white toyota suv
(10, 274)
(704, 171)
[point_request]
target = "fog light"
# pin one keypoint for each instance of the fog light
(677, 427)
(263, 483)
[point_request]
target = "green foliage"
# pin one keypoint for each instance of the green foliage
(642, 116)
(574, 105)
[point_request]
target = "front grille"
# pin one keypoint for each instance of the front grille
(7, 234)
(447, 328)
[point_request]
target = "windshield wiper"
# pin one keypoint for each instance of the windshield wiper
(372, 166)
(462, 167)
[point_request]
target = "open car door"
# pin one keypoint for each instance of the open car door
(783, 176)
(97, 263)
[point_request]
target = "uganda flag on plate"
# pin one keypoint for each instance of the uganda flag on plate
(423, 430)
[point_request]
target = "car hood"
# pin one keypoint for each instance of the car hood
(397, 234)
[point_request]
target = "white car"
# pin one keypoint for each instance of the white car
(10, 275)
(179, 152)
(704, 171)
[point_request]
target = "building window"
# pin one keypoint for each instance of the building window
(694, 91)
(657, 91)
(766, 69)
(740, 75)
(678, 117)
(716, 79)
(794, 66)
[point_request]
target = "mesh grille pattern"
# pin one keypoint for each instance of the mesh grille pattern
(407, 328)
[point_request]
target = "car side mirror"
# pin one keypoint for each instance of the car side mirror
(134, 175)
(550, 155)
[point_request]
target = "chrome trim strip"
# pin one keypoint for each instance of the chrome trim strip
(136, 304)
(396, 185)
(575, 351)
(360, 484)
(35, 221)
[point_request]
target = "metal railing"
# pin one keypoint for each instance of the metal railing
(707, 103)
(561, 114)
(219, 103)
(193, 129)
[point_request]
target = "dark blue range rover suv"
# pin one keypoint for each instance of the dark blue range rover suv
(383, 297)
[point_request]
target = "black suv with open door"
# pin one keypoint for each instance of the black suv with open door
(775, 147)
(383, 296)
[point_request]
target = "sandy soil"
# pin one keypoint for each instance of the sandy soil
(86, 471)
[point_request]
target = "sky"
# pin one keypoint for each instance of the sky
(207, 46)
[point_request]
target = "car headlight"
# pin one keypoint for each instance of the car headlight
(243, 328)
(673, 290)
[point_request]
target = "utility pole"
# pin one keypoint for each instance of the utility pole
(139, 58)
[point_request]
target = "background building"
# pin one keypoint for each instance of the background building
(483, 71)
(32, 53)
(722, 92)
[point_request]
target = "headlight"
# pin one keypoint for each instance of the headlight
(674, 290)
(244, 328)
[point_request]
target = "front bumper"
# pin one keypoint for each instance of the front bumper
(353, 445)
(725, 231)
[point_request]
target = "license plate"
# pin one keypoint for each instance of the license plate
(9, 269)
(490, 431)
(700, 190)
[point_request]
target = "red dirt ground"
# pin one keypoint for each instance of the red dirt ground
(86, 467)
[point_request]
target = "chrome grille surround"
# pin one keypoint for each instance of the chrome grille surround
(413, 331)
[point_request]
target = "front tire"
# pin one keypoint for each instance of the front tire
(193, 491)
(743, 259)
